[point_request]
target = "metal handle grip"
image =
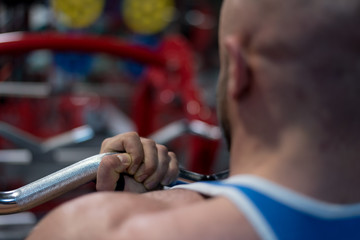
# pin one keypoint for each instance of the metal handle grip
(51, 186)
(67, 179)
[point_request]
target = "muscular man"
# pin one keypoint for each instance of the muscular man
(288, 101)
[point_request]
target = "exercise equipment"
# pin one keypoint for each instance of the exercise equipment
(79, 173)
(148, 17)
(167, 86)
(67, 179)
(49, 187)
(20, 43)
(74, 63)
(171, 95)
(77, 14)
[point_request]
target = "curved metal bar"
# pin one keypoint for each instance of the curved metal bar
(32, 143)
(20, 42)
(178, 128)
(51, 186)
(67, 179)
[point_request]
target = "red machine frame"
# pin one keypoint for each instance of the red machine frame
(170, 74)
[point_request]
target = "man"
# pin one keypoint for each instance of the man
(289, 106)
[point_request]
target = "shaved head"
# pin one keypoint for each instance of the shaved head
(299, 51)
(288, 21)
(309, 31)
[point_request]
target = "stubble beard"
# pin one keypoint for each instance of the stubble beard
(222, 107)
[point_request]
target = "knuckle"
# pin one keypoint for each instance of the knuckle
(164, 157)
(173, 159)
(172, 155)
(174, 168)
(172, 175)
(105, 142)
(149, 142)
(162, 149)
(132, 134)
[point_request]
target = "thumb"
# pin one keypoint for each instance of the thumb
(109, 171)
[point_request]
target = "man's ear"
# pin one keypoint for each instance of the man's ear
(238, 77)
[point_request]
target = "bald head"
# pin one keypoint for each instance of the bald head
(312, 39)
(303, 55)
(292, 25)
(318, 34)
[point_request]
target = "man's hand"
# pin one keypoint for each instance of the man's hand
(145, 163)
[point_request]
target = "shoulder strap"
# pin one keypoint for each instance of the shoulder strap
(279, 213)
(240, 200)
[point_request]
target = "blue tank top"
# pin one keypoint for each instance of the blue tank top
(276, 212)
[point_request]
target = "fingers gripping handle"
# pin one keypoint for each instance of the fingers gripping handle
(51, 186)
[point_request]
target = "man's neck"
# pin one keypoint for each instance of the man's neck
(325, 170)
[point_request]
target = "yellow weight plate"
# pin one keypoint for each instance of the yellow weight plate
(148, 16)
(77, 13)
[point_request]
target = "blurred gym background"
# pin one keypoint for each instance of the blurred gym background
(75, 72)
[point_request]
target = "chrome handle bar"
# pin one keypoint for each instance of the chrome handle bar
(67, 179)
(51, 186)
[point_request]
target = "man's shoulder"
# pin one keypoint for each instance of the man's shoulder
(168, 214)
(175, 197)
(213, 218)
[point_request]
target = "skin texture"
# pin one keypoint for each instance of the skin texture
(288, 103)
(131, 216)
